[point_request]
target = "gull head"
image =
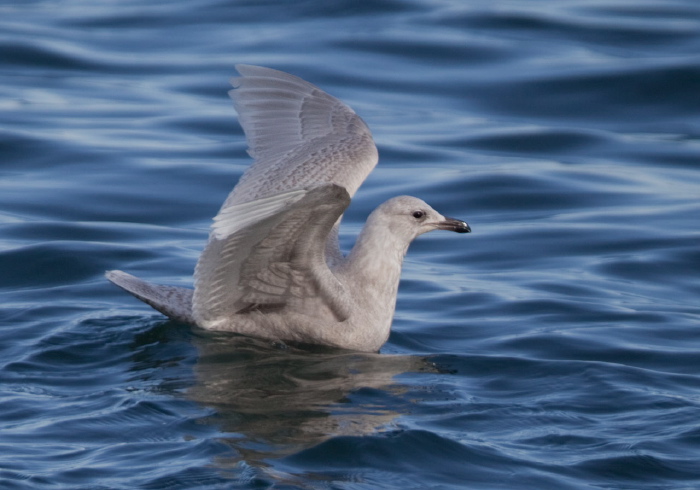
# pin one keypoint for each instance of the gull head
(408, 217)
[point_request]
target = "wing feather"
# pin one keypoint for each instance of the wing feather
(271, 240)
(276, 260)
(236, 217)
(298, 135)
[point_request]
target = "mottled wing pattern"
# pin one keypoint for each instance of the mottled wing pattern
(274, 261)
(274, 233)
(298, 136)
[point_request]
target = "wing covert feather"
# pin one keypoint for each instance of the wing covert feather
(277, 261)
(298, 135)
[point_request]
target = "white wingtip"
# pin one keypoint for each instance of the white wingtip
(173, 302)
(116, 276)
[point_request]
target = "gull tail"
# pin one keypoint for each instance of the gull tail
(173, 302)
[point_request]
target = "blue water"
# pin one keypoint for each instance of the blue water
(557, 346)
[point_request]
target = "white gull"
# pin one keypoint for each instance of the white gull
(272, 267)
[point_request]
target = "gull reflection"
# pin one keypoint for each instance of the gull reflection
(272, 400)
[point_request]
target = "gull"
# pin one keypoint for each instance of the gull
(272, 267)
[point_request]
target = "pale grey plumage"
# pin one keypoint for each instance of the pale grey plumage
(298, 135)
(272, 267)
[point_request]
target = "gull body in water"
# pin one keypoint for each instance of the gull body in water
(272, 267)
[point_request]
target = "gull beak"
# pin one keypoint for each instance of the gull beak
(452, 224)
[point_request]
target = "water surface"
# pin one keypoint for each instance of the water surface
(556, 346)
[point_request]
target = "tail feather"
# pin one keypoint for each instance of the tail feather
(173, 302)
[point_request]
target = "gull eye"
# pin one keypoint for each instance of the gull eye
(418, 214)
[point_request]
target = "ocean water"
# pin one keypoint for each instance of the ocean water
(557, 346)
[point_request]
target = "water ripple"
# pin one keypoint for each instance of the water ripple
(555, 347)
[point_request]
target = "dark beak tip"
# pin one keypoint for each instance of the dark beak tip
(456, 225)
(463, 228)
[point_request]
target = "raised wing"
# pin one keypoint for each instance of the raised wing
(269, 254)
(298, 135)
